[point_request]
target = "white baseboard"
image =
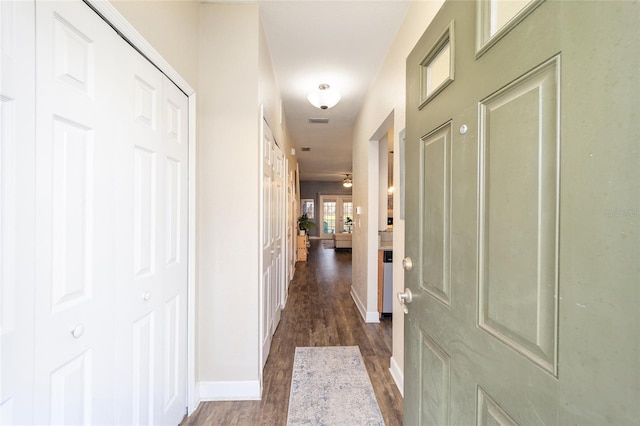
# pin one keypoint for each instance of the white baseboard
(248, 390)
(368, 317)
(398, 375)
(194, 399)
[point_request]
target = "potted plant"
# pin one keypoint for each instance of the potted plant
(349, 223)
(304, 224)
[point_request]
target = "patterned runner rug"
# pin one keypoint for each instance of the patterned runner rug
(330, 386)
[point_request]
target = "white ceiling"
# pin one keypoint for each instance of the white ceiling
(341, 43)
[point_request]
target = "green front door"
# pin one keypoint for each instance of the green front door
(523, 215)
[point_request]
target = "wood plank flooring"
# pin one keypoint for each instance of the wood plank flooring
(319, 312)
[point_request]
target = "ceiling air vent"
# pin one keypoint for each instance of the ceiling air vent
(305, 149)
(318, 120)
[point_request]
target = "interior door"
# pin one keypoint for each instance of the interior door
(175, 137)
(273, 227)
(17, 210)
(268, 289)
(110, 228)
(522, 231)
(76, 57)
(278, 236)
(151, 234)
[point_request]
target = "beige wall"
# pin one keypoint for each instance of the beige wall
(171, 27)
(228, 193)
(386, 98)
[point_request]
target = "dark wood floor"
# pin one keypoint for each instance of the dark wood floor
(319, 312)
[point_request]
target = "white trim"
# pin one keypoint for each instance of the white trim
(262, 345)
(369, 317)
(284, 243)
(111, 15)
(372, 317)
(195, 396)
(129, 33)
(397, 374)
(192, 396)
(248, 390)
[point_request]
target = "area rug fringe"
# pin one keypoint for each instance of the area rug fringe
(330, 386)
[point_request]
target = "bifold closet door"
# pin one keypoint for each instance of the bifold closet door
(273, 275)
(17, 139)
(151, 289)
(78, 67)
(111, 194)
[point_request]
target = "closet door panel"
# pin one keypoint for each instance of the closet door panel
(140, 236)
(17, 141)
(151, 237)
(93, 224)
(175, 139)
(77, 77)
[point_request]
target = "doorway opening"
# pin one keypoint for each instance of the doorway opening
(336, 215)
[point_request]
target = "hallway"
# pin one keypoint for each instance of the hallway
(319, 312)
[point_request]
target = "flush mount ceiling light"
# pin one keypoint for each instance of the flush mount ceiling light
(324, 97)
(347, 182)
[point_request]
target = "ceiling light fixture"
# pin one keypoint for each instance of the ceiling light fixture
(324, 97)
(347, 182)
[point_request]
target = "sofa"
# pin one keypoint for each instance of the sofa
(342, 240)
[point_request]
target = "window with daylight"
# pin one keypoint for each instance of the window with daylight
(347, 216)
(329, 217)
(307, 206)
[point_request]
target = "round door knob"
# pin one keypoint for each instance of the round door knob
(77, 331)
(146, 296)
(407, 263)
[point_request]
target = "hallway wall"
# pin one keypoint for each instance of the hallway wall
(386, 97)
(179, 45)
(227, 143)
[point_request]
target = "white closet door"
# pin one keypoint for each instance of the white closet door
(278, 234)
(176, 139)
(175, 262)
(140, 238)
(17, 139)
(111, 228)
(273, 275)
(151, 289)
(78, 61)
(268, 249)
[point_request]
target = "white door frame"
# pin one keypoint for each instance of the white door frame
(117, 21)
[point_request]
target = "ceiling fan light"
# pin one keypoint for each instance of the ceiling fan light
(347, 182)
(324, 97)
